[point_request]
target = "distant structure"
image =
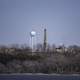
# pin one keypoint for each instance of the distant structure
(32, 34)
(45, 40)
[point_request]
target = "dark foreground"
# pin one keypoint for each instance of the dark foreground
(39, 77)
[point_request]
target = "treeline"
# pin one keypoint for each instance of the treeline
(21, 59)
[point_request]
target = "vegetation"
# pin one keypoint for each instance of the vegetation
(20, 59)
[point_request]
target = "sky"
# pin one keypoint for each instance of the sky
(61, 18)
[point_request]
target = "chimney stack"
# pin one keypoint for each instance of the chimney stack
(45, 40)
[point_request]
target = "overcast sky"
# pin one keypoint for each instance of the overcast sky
(61, 18)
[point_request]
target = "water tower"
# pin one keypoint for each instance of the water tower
(32, 38)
